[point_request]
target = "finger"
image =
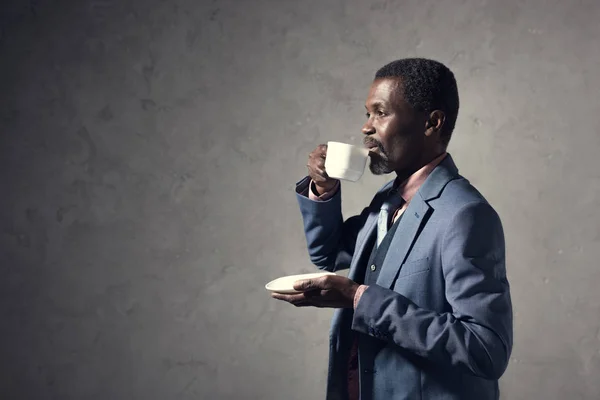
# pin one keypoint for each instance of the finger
(317, 160)
(317, 295)
(320, 169)
(319, 177)
(284, 297)
(290, 298)
(315, 175)
(327, 282)
(304, 304)
(317, 298)
(320, 151)
(306, 285)
(303, 285)
(316, 166)
(295, 300)
(320, 298)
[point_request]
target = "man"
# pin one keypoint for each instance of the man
(425, 312)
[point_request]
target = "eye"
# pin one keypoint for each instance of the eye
(368, 115)
(380, 113)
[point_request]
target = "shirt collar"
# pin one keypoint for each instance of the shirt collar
(409, 187)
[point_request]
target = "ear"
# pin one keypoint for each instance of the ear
(435, 123)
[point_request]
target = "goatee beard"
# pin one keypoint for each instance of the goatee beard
(379, 165)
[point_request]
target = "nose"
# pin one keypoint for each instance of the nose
(367, 128)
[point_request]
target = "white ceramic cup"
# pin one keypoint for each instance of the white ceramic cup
(345, 161)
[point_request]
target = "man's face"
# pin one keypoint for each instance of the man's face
(395, 131)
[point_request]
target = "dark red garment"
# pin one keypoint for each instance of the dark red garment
(353, 372)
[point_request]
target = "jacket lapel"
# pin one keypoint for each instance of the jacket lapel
(402, 241)
(413, 219)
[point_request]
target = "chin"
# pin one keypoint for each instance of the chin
(379, 169)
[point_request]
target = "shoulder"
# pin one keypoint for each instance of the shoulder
(461, 201)
(458, 193)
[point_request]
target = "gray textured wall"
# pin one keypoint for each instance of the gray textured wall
(148, 153)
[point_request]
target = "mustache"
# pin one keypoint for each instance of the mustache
(370, 142)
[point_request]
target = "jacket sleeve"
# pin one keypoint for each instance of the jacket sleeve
(330, 239)
(477, 335)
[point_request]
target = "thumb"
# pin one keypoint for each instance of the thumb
(303, 285)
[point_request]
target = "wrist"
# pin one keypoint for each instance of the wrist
(320, 189)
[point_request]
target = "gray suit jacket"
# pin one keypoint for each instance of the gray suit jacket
(437, 323)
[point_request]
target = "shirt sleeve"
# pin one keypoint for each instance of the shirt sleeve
(358, 294)
(314, 195)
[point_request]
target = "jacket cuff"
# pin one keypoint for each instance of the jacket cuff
(313, 195)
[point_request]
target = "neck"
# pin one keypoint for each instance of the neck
(428, 157)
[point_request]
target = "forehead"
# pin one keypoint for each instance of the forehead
(386, 91)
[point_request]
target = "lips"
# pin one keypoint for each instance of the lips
(371, 144)
(374, 152)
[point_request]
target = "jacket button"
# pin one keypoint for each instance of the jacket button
(373, 267)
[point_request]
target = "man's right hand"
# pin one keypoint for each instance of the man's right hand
(316, 170)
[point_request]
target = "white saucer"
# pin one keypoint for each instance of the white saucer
(285, 285)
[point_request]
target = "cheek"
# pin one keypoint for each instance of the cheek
(399, 142)
(387, 135)
(396, 138)
(402, 150)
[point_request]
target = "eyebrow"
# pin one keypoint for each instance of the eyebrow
(376, 104)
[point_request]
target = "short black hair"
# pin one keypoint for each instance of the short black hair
(428, 85)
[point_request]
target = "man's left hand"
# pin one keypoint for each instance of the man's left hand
(332, 291)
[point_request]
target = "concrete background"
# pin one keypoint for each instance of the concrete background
(148, 153)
